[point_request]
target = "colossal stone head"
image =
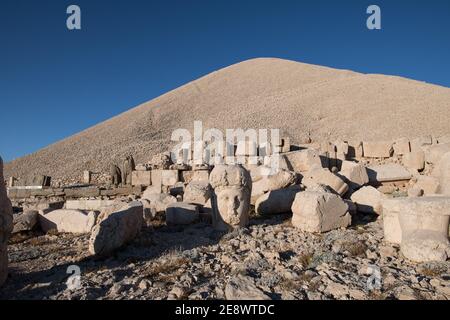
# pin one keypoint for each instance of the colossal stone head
(232, 186)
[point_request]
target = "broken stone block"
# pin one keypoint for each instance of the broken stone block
(318, 175)
(342, 150)
(302, 160)
(401, 146)
(388, 173)
(67, 221)
(25, 221)
(200, 175)
(319, 212)
(285, 144)
(442, 171)
(368, 200)
(197, 192)
(378, 149)
(424, 226)
(117, 226)
(182, 213)
(141, 178)
(436, 152)
(418, 143)
(159, 201)
(169, 177)
(354, 173)
(414, 160)
(429, 185)
(279, 180)
(6, 226)
(277, 201)
(88, 205)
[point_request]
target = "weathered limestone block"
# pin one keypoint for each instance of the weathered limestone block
(82, 192)
(159, 201)
(117, 226)
(279, 180)
(182, 213)
(302, 160)
(25, 221)
(88, 205)
(169, 177)
(141, 178)
(319, 212)
(355, 174)
(436, 152)
(69, 221)
(197, 192)
(6, 226)
(342, 149)
(414, 160)
(368, 200)
(424, 225)
(442, 171)
(230, 201)
(379, 149)
(388, 173)
(424, 213)
(401, 146)
(318, 175)
(418, 144)
(277, 201)
(429, 185)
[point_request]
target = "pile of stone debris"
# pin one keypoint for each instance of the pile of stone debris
(405, 182)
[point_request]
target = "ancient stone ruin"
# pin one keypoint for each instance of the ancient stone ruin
(320, 188)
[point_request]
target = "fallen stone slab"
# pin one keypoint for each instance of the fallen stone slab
(277, 201)
(122, 191)
(317, 176)
(26, 221)
(169, 177)
(6, 226)
(368, 200)
(243, 288)
(67, 221)
(388, 173)
(41, 205)
(279, 180)
(117, 226)
(182, 213)
(319, 212)
(378, 149)
(88, 205)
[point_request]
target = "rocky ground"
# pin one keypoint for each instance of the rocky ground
(269, 259)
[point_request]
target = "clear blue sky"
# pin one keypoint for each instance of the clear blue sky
(55, 82)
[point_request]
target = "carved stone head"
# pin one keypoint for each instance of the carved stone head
(232, 186)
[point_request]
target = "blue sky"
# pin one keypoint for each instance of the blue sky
(55, 82)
